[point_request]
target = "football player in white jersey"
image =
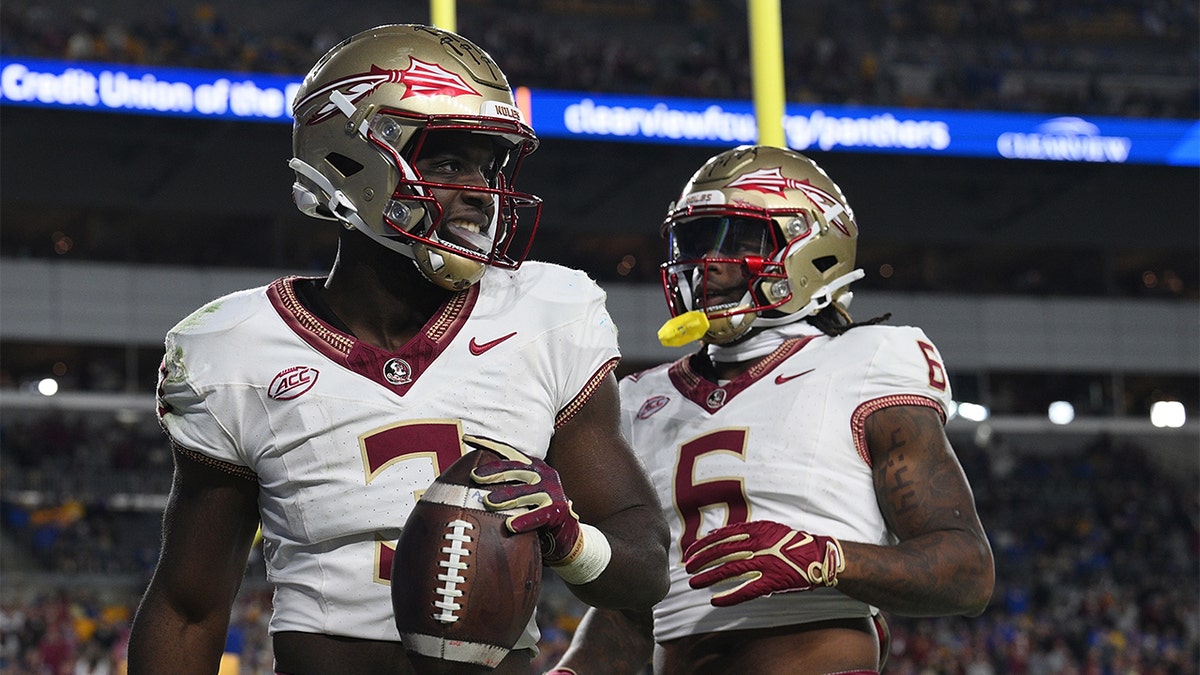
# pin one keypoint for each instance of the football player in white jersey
(322, 407)
(800, 457)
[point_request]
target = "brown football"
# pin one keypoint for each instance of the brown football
(463, 586)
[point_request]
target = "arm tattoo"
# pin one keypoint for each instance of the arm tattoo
(903, 489)
(942, 563)
(918, 484)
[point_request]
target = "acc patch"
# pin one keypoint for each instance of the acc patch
(292, 382)
(652, 405)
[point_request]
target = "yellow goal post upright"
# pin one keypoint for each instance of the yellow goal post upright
(766, 54)
(766, 60)
(442, 14)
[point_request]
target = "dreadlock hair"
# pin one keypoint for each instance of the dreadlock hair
(833, 320)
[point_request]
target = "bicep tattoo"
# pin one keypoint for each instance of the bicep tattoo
(918, 481)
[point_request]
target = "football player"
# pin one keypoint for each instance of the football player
(323, 407)
(799, 455)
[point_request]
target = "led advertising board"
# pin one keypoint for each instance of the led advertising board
(588, 116)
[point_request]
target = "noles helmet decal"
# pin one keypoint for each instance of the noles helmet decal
(420, 79)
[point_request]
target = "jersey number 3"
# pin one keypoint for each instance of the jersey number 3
(439, 442)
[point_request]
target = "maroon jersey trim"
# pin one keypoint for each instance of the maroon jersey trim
(699, 390)
(220, 465)
(585, 394)
(858, 420)
(320, 335)
(366, 360)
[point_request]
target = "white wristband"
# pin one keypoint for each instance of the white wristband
(590, 561)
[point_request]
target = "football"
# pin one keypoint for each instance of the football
(463, 586)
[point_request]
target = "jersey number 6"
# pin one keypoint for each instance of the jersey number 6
(693, 497)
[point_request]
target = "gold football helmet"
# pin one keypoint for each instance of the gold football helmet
(362, 116)
(759, 236)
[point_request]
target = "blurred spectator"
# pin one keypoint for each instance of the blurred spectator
(1096, 556)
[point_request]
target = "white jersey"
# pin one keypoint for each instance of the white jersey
(342, 437)
(784, 442)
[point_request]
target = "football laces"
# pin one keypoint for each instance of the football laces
(453, 564)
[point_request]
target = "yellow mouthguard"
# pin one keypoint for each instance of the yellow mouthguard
(683, 329)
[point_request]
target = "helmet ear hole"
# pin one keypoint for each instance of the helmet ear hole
(344, 165)
(824, 263)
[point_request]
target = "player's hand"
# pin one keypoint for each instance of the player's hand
(765, 557)
(528, 482)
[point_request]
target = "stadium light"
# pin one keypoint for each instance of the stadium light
(983, 435)
(972, 411)
(47, 386)
(1061, 412)
(1168, 414)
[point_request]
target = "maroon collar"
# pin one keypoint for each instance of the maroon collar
(711, 396)
(398, 370)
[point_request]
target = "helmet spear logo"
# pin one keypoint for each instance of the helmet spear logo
(420, 78)
(773, 182)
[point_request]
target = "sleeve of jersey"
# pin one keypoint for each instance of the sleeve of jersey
(908, 370)
(626, 386)
(586, 350)
(185, 410)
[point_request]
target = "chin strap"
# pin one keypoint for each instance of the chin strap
(339, 205)
(342, 208)
(760, 342)
(767, 333)
(772, 331)
(821, 298)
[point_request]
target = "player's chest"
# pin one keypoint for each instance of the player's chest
(319, 415)
(762, 429)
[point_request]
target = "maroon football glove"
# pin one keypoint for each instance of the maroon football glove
(765, 557)
(528, 482)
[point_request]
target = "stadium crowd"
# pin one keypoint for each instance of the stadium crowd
(1133, 59)
(1096, 550)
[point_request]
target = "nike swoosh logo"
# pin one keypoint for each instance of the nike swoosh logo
(477, 348)
(781, 379)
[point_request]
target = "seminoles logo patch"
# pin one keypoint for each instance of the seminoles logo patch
(292, 382)
(716, 399)
(397, 371)
(652, 405)
(773, 182)
(419, 78)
